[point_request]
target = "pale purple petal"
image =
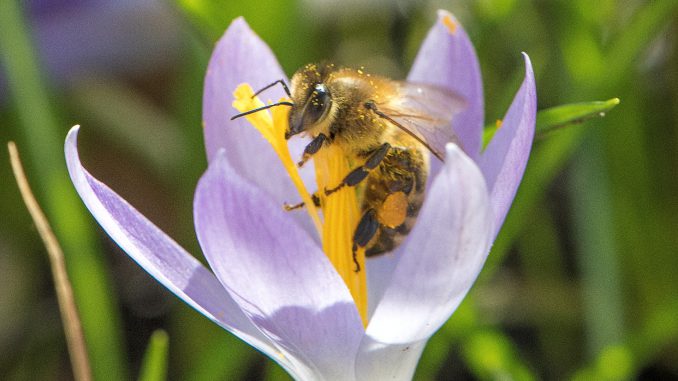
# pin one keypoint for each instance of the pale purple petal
(447, 59)
(276, 273)
(503, 161)
(393, 362)
(160, 256)
(241, 56)
(379, 271)
(442, 257)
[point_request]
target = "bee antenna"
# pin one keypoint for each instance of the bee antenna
(280, 81)
(236, 116)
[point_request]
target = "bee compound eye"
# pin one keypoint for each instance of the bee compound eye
(320, 96)
(318, 103)
(320, 90)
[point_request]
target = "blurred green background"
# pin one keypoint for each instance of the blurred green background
(581, 284)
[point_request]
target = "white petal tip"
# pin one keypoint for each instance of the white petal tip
(442, 13)
(528, 61)
(452, 151)
(238, 22)
(74, 130)
(71, 143)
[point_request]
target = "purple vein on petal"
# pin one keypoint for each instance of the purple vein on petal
(159, 255)
(275, 272)
(503, 161)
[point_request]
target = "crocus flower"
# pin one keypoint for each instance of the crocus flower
(271, 284)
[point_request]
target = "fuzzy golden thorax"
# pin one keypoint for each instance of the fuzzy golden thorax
(331, 101)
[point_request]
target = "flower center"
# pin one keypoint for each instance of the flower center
(340, 210)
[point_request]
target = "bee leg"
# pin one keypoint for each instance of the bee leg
(314, 197)
(360, 173)
(312, 147)
(364, 232)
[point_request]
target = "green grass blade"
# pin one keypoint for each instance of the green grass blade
(551, 119)
(118, 110)
(547, 158)
(575, 113)
(492, 356)
(635, 39)
(154, 365)
(597, 251)
(39, 135)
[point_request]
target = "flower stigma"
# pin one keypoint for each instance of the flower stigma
(340, 210)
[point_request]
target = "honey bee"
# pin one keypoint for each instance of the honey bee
(386, 125)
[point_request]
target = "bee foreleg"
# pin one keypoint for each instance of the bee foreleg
(314, 197)
(312, 147)
(360, 173)
(364, 232)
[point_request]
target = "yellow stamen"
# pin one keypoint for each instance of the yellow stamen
(272, 126)
(340, 210)
(341, 213)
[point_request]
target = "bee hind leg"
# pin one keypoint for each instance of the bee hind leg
(364, 232)
(360, 173)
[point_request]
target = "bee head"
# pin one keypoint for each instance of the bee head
(310, 110)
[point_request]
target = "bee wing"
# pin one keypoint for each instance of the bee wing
(425, 112)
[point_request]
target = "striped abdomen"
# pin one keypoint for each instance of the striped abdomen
(395, 190)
